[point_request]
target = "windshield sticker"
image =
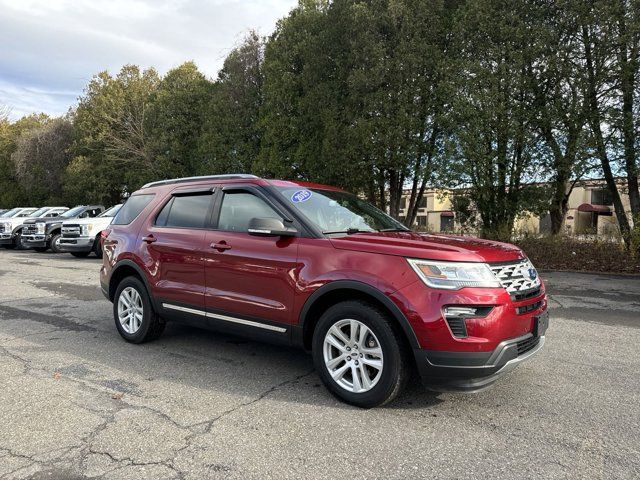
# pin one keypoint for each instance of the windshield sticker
(301, 196)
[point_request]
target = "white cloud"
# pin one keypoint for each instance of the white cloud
(50, 49)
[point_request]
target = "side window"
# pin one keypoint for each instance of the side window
(94, 212)
(239, 208)
(132, 208)
(186, 211)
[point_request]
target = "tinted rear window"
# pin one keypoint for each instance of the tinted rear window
(132, 208)
(186, 211)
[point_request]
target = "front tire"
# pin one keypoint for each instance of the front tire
(133, 313)
(54, 243)
(360, 354)
(97, 247)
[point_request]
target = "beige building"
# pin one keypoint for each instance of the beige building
(590, 211)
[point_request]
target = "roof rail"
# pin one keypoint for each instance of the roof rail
(234, 176)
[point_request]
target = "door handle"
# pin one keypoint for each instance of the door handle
(221, 246)
(149, 239)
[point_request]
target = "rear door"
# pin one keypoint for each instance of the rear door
(172, 244)
(250, 280)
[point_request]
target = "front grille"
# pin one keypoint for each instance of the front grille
(519, 296)
(517, 277)
(70, 231)
(457, 326)
(29, 229)
(527, 344)
(529, 308)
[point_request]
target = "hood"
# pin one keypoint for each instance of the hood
(452, 248)
(47, 220)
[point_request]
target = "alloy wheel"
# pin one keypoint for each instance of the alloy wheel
(130, 310)
(353, 355)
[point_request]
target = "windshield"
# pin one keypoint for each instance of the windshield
(111, 212)
(40, 212)
(73, 212)
(338, 212)
(10, 213)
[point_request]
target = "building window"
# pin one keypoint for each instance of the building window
(601, 196)
(446, 224)
(422, 221)
(422, 203)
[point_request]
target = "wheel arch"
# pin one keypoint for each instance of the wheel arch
(341, 290)
(124, 269)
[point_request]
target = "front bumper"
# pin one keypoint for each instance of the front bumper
(35, 241)
(475, 371)
(76, 244)
(6, 238)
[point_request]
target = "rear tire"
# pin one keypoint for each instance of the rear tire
(41, 249)
(142, 324)
(369, 346)
(80, 254)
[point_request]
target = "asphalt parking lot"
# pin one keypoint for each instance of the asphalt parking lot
(78, 402)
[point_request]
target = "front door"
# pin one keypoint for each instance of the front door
(249, 279)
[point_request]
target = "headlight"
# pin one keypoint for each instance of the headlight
(5, 227)
(85, 230)
(454, 275)
(40, 228)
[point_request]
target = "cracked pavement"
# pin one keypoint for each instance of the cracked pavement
(78, 402)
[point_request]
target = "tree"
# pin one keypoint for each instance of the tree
(40, 158)
(493, 143)
(607, 62)
(112, 135)
(231, 136)
(557, 81)
(11, 191)
(174, 122)
(354, 96)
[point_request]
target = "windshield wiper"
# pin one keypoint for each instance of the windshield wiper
(349, 231)
(397, 229)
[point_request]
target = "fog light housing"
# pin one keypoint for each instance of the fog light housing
(455, 315)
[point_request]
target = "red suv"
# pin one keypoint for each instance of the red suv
(314, 266)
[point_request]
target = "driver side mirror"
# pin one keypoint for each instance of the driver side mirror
(270, 227)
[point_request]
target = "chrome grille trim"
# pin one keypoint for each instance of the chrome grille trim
(72, 231)
(514, 277)
(29, 229)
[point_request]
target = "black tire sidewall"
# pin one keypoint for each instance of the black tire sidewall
(391, 350)
(147, 315)
(52, 243)
(97, 247)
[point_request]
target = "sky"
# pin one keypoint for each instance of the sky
(50, 49)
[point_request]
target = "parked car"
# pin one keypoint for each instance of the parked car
(80, 237)
(11, 227)
(42, 234)
(3, 211)
(317, 267)
(19, 212)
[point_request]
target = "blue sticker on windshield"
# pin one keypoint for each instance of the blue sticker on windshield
(301, 196)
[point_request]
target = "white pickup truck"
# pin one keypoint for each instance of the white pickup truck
(81, 236)
(11, 222)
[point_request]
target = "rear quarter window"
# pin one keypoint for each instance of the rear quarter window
(132, 208)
